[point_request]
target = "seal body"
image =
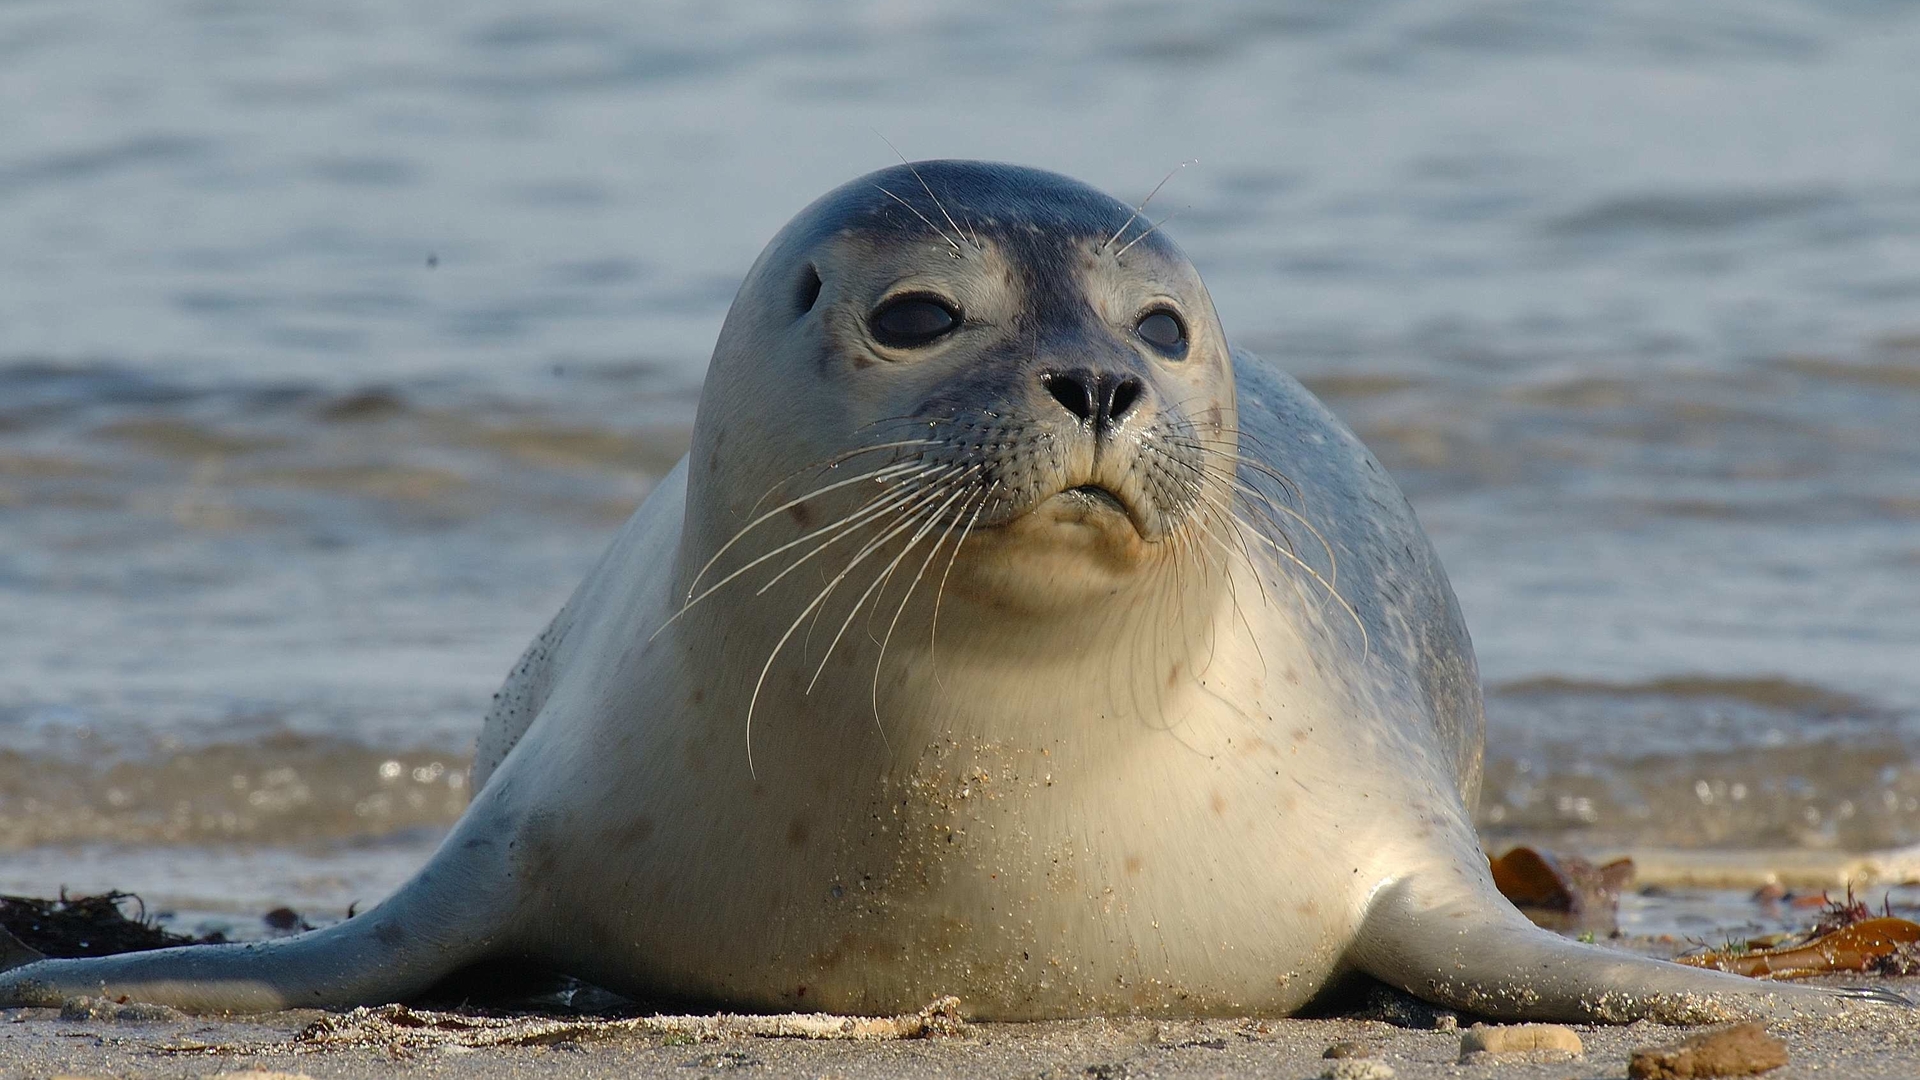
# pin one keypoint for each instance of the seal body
(1056, 815)
(1004, 634)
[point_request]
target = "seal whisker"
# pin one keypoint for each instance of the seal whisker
(916, 213)
(929, 190)
(1260, 471)
(939, 514)
(896, 493)
(885, 472)
(909, 511)
(937, 204)
(941, 485)
(932, 553)
(819, 599)
(1259, 581)
(832, 463)
(1236, 447)
(1210, 506)
(1227, 549)
(897, 503)
(1213, 630)
(1147, 233)
(1241, 528)
(1254, 492)
(1206, 577)
(1333, 558)
(1193, 487)
(1352, 612)
(1135, 216)
(1177, 586)
(930, 515)
(933, 632)
(1211, 446)
(865, 512)
(1246, 551)
(1257, 502)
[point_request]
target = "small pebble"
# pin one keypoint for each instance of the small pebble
(284, 919)
(1357, 1069)
(1348, 1050)
(1547, 1041)
(1734, 1050)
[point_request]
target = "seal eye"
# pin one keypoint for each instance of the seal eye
(912, 321)
(1164, 331)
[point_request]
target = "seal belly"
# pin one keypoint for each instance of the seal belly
(1154, 869)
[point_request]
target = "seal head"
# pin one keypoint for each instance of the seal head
(1055, 369)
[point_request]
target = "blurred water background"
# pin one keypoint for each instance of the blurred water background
(337, 338)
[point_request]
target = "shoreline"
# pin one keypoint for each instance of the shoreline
(238, 881)
(1879, 1043)
(1793, 868)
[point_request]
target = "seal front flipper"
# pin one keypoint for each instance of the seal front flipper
(391, 953)
(451, 915)
(1475, 952)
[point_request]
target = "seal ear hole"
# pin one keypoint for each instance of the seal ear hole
(809, 291)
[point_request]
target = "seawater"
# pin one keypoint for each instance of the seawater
(336, 340)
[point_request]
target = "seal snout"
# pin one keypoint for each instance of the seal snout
(1106, 405)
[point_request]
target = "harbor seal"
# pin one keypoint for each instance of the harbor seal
(1004, 634)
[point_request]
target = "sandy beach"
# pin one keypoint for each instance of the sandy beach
(36, 1043)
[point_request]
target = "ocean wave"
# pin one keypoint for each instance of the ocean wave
(1698, 762)
(286, 788)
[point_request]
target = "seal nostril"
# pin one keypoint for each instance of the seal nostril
(1072, 390)
(1122, 398)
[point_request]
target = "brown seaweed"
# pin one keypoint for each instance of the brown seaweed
(88, 926)
(1562, 892)
(1882, 945)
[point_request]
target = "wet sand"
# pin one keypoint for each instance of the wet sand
(36, 1043)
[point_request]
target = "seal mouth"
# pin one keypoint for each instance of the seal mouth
(1095, 495)
(1096, 504)
(1084, 506)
